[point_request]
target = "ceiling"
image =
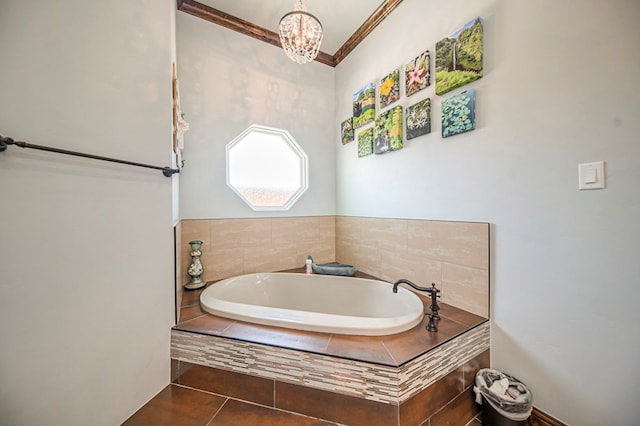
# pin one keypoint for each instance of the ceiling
(345, 23)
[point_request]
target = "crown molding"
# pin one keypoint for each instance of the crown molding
(247, 28)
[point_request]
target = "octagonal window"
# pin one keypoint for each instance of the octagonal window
(266, 168)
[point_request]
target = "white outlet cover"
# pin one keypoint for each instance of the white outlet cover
(591, 175)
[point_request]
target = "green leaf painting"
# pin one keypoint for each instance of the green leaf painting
(389, 89)
(347, 130)
(388, 131)
(417, 75)
(419, 119)
(458, 113)
(365, 142)
(459, 57)
(364, 105)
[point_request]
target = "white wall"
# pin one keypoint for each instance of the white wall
(86, 288)
(175, 184)
(229, 81)
(560, 86)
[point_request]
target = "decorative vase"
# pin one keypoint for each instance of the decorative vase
(195, 269)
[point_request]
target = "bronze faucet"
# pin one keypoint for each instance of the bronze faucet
(433, 292)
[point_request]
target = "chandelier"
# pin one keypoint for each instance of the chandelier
(300, 34)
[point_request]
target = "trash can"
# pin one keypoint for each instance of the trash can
(506, 401)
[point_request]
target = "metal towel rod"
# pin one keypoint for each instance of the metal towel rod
(6, 141)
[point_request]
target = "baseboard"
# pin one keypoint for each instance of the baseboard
(540, 418)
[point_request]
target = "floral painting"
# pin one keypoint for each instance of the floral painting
(459, 57)
(347, 130)
(388, 131)
(365, 142)
(364, 105)
(458, 113)
(416, 74)
(390, 89)
(419, 119)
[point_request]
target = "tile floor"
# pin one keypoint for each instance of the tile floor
(176, 405)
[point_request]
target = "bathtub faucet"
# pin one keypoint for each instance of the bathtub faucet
(433, 292)
(403, 281)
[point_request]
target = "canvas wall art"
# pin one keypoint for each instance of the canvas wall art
(365, 142)
(389, 89)
(347, 130)
(459, 57)
(417, 75)
(364, 105)
(458, 113)
(419, 119)
(388, 131)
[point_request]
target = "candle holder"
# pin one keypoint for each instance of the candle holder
(195, 269)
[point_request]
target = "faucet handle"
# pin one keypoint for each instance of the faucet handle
(434, 291)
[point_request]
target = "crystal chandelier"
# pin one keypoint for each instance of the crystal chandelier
(300, 34)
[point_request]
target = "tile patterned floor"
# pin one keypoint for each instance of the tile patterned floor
(176, 405)
(181, 406)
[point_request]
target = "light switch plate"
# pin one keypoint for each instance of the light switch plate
(591, 175)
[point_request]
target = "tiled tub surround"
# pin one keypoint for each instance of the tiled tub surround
(374, 382)
(243, 246)
(409, 378)
(404, 378)
(455, 255)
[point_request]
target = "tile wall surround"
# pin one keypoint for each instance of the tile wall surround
(374, 382)
(243, 246)
(454, 255)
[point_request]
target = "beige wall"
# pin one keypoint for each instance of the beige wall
(242, 246)
(454, 255)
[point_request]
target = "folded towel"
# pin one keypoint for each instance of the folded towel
(334, 269)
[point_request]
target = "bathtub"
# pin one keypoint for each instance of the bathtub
(324, 303)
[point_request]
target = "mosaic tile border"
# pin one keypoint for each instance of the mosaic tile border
(391, 385)
(437, 363)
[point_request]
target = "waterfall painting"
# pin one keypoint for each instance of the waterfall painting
(388, 131)
(389, 89)
(459, 113)
(419, 119)
(364, 105)
(416, 74)
(347, 130)
(365, 142)
(459, 57)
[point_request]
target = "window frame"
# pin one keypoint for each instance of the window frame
(297, 150)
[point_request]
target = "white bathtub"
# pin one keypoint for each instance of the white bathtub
(324, 303)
